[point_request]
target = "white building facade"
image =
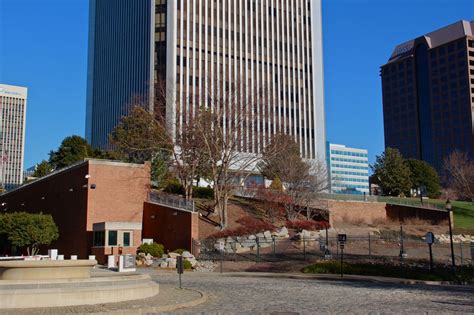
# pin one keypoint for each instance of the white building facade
(348, 169)
(269, 50)
(12, 134)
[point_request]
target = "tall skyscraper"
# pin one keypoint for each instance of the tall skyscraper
(348, 169)
(12, 134)
(428, 95)
(204, 47)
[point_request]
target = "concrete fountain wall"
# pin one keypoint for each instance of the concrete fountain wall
(33, 284)
(46, 269)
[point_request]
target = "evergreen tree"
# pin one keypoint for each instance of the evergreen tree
(42, 169)
(72, 149)
(424, 175)
(391, 173)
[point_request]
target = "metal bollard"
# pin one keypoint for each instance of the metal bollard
(258, 249)
(370, 248)
(304, 247)
(274, 251)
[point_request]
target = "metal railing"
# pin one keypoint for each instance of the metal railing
(358, 248)
(171, 201)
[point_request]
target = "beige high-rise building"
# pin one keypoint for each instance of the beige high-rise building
(271, 49)
(12, 134)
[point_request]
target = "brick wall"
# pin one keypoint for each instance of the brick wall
(356, 212)
(119, 193)
(170, 227)
(359, 212)
(64, 196)
(101, 253)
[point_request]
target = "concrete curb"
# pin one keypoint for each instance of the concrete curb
(157, 309)
(349, 278)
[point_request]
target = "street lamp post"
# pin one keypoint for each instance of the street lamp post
(449, 207)
(327, 253)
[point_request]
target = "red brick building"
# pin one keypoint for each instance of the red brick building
(98, 206)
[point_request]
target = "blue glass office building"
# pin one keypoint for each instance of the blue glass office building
(120, 64)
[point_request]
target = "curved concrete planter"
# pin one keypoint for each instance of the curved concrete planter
(53, 293)
(46, 269)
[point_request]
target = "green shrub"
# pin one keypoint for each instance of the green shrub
(179, 251)
(174, 187)
(154, 249)
(203, 192)
(465, 273)
(187, 264)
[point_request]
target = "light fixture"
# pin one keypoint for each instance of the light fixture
(87, 176)
(449, 206)
(449, 209)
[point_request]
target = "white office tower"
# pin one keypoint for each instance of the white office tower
(271, 50)
(12, 134)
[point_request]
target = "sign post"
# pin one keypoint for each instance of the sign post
(342, 238)
(179, 268)
(429, 239)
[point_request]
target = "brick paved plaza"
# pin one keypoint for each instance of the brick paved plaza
(256, 295)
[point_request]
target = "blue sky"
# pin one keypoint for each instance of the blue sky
(43, 46)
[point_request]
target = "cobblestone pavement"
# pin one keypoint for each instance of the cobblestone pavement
(233, 294)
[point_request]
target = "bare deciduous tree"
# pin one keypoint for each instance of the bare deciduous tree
(224, 125)
(302, 180)
(139, 136)
(460, 174)
(189, 157)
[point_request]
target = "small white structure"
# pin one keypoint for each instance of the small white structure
(111, 262)
(53, 254)
(147, 241)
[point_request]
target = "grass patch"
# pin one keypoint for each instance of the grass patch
(463, 274)
(395, 235)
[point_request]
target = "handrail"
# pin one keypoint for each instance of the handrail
(172, 201)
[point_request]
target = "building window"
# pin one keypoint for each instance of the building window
(99, 238)
(126, 238)
(112, 238)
